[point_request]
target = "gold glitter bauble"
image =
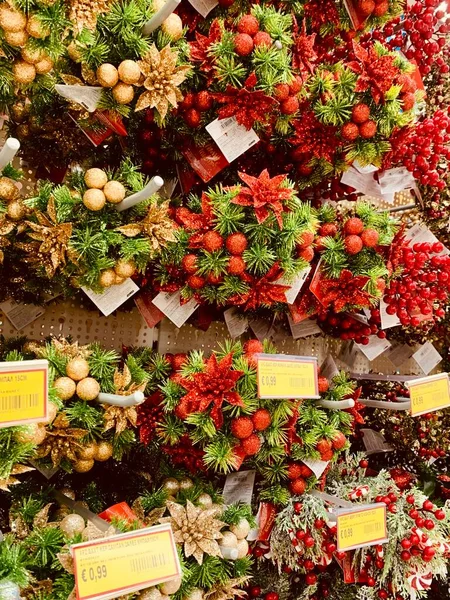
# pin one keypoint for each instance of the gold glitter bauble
(36, 28)
(95, 178)
(241, 530)
(150, 594)
(83, 466)
(107, 278)
(44, 66)
(186, 483)
(16, 210)
(74, 52)
(77, 368)
(173, 27)
(104, 451)
(32, 55)
(23, 130)
(11, 19)
(129, 71)
(17, 39)
(118, 280)
(170, 587)
(65, 387)
(171, 485)
(18, 112)
(205, 500)
(23, 72)
(125, 268)
(52, 411)
(68, 492)
(114, 192)
(61, 512)
(8, 190)
(107, 75)
(229, 540)
(34, 434)
(72, 525)
(242, 547)
(94, 199)
(123, 93)
(194, 594)
(88, 389)
(88, 451)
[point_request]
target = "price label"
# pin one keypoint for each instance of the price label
(361, 527)
(125, 563)
(429, 394)
(282, 376)
(23, 392)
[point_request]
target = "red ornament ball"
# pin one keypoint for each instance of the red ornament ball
(243, 44)
(248, 24)
(251, 445)
(236, 243)
(212, 241)
(262, 39)
(261, 419)
(242, 427)
(353, 244)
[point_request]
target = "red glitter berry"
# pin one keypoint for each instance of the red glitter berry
(203, 101)
(360, 113)
(294, 471)
(368, 129)
(307, 253)
(242, 427)
(282, 91)
(253, 347)
(296, 85)
(212, 241)
(178, 360)
(261, 419)
(408, 101)
(262, 39)
(236, 243)
(353, 244)
(339, 441)
(248, 24)
(328, 229)
(350, 132)
(243, 44)
(298, 486)
(192, 117)
(323, 384)
(289, 106)
(189, 263)
(236, 265)
(353, 226)
(370, 238)
(196, 282)
(251, 445)
(306, 239)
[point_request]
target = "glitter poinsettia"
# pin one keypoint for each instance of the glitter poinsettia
(212, 387)
(264, 291)
(265, 194)
(347, 290)
(375, 72)
(200, 48)
(199, 222)
(321, 12)
(313, 137)
(303, 52)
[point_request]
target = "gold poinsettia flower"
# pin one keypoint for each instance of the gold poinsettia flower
(6, 227)
(123, 385)
(61, 442)
(162, 78)
(119, 417)
(195, 528)
(228, 590)
(17, 469)
(156, 225)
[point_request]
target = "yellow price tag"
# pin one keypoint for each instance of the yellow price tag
(429, 394)
(282, 376)
(361, 527)
(125, 563)
(23, 392)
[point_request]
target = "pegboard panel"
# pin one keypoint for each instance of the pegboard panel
(73, 319)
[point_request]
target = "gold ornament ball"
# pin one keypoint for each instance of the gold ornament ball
(95, 178)
(107, 75)
(114, 192)
(72, 525)
(242, 547)
(19, 112)
(77, 368)
(241, 530)
(88, 451)
(36, 28)
(34, 434)
(83, 466)
(16, 210)
(171, 485)
(205, 500)
(23, 130)
(186, 483)
(52, 411)
(118, 280)
(104, 451)
(170, 587)
(8, 190)
(173, 27)
(44, 66)
(61, 512)
(123, 93)
(94, 199)
(18, 39)
(23, 72)
(194, 594)
(129, 71)
(107, 278)
(229, 540)
(74, 52)
(68, 492)
(11, 19)
(32, 55)
(150, 594)
(125, 268)
(88, 389)
(65, 387)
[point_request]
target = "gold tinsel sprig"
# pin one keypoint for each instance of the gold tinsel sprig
(157, 226)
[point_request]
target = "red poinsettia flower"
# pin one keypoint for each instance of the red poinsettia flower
(246, 105)
(348, 289)
(149, 414)
(356, 410)
(212, 387)
(303, 53)
(262, 292)
(376, 73)
(321, 12)
(264, 193)
(313, 137)
(200, 48)
(292, 435)
(198, 222)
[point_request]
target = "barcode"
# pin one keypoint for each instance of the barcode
(303, 382)
(18, 402)
(142, 563)
(224, 123)
(372, 527)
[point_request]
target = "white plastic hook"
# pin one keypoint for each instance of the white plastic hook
(151, 188)
(124, 401)
(159, 17)
(336, 404)
(8, 152)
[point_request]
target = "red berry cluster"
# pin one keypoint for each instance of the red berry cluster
(372, 8)
(185, 454)
(255, 591)
(150, 144)
(287, 97)
(418, 543)
(423, 287)
(249, 36)
(298, 473)
(425, 148)
(193, 104)
(356, 236)
(428, 448)
(247, 428)
(345, 327)
(360, 125)
(304, 247)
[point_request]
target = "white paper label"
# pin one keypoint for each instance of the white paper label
(399, 353)
(204, 7)
(328, 368)
(349, 353)
(236, 322)
(21, 315)
(304, 328)
(387, 321)
(168, 188)
(316, 466)
(233, 139)
(295, 286)
(169, 304)
(364, 319)
(374, 348)
(47, 472)
(366, 169)
(427, 357)
(375, 442)
(362, 182)
(262, 329)
(86, 95)
(396, 180)
(112, 297)
(239, 487)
